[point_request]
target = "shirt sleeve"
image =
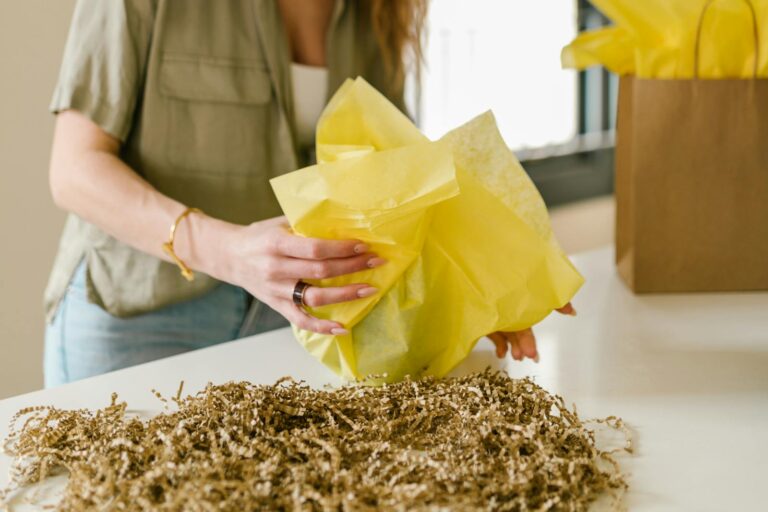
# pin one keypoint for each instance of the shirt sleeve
(104, 63)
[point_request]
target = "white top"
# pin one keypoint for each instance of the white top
(686, 372)
(310, 89)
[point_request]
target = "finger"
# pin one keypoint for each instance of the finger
(316, 296)
(304, 320)
(527, 342)
(500, 341)
(294, 268)
(295, 246)
(281, 220)
(568, 309)
(514, 344)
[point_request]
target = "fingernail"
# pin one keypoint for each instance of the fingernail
(367, 291)
(338, 331)
(376, 262)
(361, 248)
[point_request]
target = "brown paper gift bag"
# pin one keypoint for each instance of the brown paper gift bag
(692, 184)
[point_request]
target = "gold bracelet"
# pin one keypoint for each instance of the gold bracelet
(168, 246)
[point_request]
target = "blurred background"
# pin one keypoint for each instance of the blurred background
(486, 54)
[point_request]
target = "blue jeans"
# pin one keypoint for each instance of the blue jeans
(84, 340)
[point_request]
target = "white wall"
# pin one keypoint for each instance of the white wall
(32, 34)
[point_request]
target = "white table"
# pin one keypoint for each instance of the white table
(688, 373)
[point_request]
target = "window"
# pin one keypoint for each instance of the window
(502, 55)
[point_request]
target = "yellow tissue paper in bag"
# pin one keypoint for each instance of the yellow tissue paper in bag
(465, 232)
(657, 39)
(612, 47)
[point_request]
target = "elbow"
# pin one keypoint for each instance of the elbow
(56, 187)
(78, 145)
(59, 186)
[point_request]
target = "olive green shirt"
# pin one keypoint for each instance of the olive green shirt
(199, 94)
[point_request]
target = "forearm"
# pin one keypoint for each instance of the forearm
(95, 184)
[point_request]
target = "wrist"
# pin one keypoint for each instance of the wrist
(205, 244)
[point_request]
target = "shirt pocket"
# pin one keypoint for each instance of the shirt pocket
(219, 114)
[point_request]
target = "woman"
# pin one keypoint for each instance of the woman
(176, 115)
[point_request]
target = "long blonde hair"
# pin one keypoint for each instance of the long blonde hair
(399, 25)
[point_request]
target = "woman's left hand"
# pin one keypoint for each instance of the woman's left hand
(522, 344)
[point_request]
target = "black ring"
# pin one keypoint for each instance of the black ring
(298, 293)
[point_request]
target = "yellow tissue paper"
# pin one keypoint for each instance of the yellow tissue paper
(465, 232)
(612, 47)
(657, 39)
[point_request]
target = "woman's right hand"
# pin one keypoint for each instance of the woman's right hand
(88, 178)
(268, 260)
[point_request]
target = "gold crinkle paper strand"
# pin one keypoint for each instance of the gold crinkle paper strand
(480, 442)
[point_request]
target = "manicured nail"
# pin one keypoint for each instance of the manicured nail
(361, 248)
(376, 262)
(338, 331)
(367, 291)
